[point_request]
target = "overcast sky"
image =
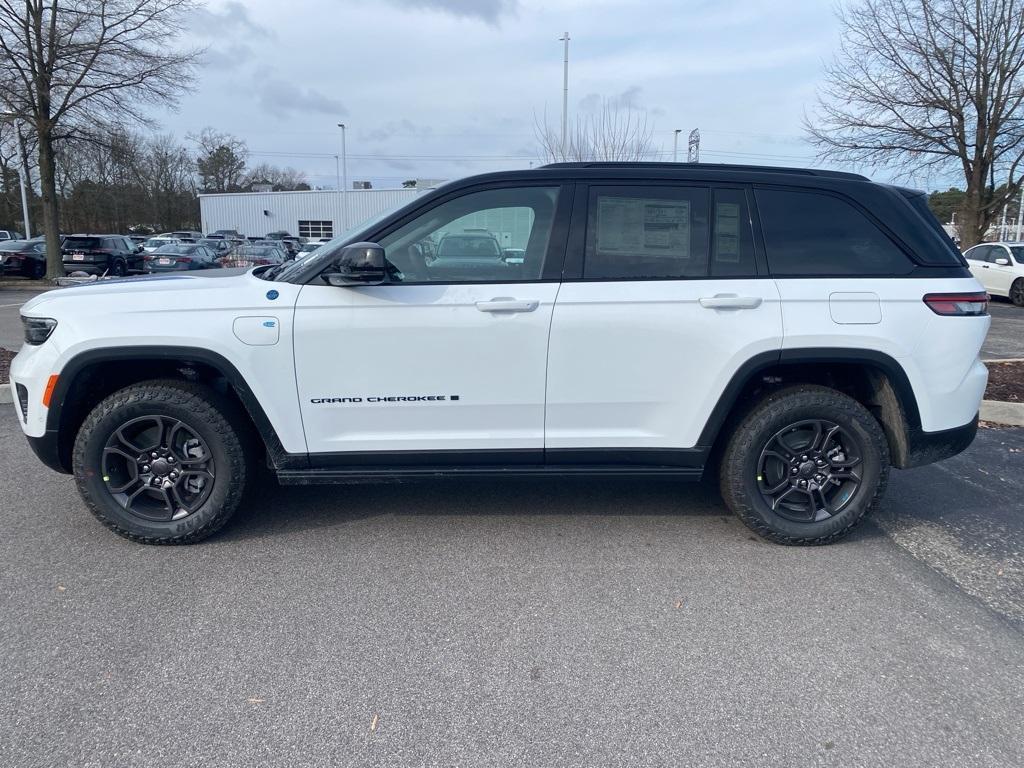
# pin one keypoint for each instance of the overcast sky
(447, 88)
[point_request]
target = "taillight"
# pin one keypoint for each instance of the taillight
(957, 304)
(185, 259)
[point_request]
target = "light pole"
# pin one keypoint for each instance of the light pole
(21, 172)
(337, 172)
(675, 145)
(1020, 213)
(565, 91)
(344, 181)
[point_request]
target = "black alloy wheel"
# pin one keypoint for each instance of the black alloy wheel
(808, 471)
(158, 468)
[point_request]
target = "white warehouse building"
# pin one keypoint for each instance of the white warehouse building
(312, 214)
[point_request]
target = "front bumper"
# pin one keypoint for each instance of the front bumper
(47, 450)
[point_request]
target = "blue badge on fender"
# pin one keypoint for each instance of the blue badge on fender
(272, 294)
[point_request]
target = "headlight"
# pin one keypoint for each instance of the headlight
(37, 329)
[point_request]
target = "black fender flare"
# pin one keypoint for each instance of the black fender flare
(76, 365)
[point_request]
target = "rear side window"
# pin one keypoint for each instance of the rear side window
(809, 234)
(646, 233)
(732, 242)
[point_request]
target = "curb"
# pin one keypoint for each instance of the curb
(1000, 412)
(26, 286)
(6, 396)
(1004, 360)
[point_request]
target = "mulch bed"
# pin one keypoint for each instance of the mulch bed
(1005, 382)
(5, 363)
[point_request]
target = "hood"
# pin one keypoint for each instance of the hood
(178, 291)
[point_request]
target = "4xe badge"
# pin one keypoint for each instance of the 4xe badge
(384, 399)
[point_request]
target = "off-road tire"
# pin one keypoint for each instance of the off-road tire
(215, 418)
(738, 474)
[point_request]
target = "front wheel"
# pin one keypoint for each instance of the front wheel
(162, 462)
(805, 466)
(1017, 292)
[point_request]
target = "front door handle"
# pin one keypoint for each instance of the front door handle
(730, 301)
(503, 304)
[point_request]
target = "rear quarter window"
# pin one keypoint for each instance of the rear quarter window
(810, 234)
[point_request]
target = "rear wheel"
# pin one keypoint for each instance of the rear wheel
(1017, 292)
(805, 466)
(36, 269)
(119, 268)
(162, 462)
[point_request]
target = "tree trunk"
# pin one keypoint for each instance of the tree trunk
(51, 212)
(970, 220)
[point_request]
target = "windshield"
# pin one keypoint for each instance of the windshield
(176, 249)
(156, 242)
(326, 250)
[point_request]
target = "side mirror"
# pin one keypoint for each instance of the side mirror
(1002, 262)
(358, 264)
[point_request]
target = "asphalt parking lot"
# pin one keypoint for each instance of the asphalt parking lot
(515, 622)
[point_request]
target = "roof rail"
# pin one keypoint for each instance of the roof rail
(709, 167)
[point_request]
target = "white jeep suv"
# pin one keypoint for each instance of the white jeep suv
(796, 332)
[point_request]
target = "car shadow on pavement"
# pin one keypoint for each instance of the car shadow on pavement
(272, 509)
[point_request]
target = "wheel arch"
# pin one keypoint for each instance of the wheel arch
(873, 378)
(90, 376)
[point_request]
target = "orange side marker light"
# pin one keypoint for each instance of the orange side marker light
(48, 392)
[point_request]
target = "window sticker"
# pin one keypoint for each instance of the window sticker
(631, 226)
(727, 232)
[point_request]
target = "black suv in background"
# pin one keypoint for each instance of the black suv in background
(114, 255)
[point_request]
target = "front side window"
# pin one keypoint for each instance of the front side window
(647, 233)
(997, 252)
(815, 234)
(498, 235)
(1018, 253)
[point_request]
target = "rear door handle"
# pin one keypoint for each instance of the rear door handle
(730, 301)
(503, 304)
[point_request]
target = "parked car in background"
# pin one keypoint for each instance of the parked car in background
(253, 256)
(138, 239)
(9, 234)
(26, 258)
(227, 234)
(101, 255)
(309, 248)
(1000, 268)
(158, 242)
(280, 234)
(180, 257)
(218, 245)
(185, 234)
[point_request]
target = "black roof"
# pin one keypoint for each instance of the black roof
(607, 165)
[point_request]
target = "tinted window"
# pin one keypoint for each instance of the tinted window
(1018, 253)
(809, 233)
(497, 235)
(646, 232)
(997, 252)
(82, 242)
(732, 242)
(977, 253)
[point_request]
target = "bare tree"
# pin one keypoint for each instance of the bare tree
(930, 85)
(612, 132)
(66, 65)
(281, 179)
(221, 160)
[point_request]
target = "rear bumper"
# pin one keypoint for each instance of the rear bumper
(930, 447)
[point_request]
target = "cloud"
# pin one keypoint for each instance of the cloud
(279, 98)
(228, 58)
(396, 128)
(233, 17)
(490, 11)
(628, 99)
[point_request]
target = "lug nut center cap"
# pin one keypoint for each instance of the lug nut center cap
(160, 467)
(807, 469)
